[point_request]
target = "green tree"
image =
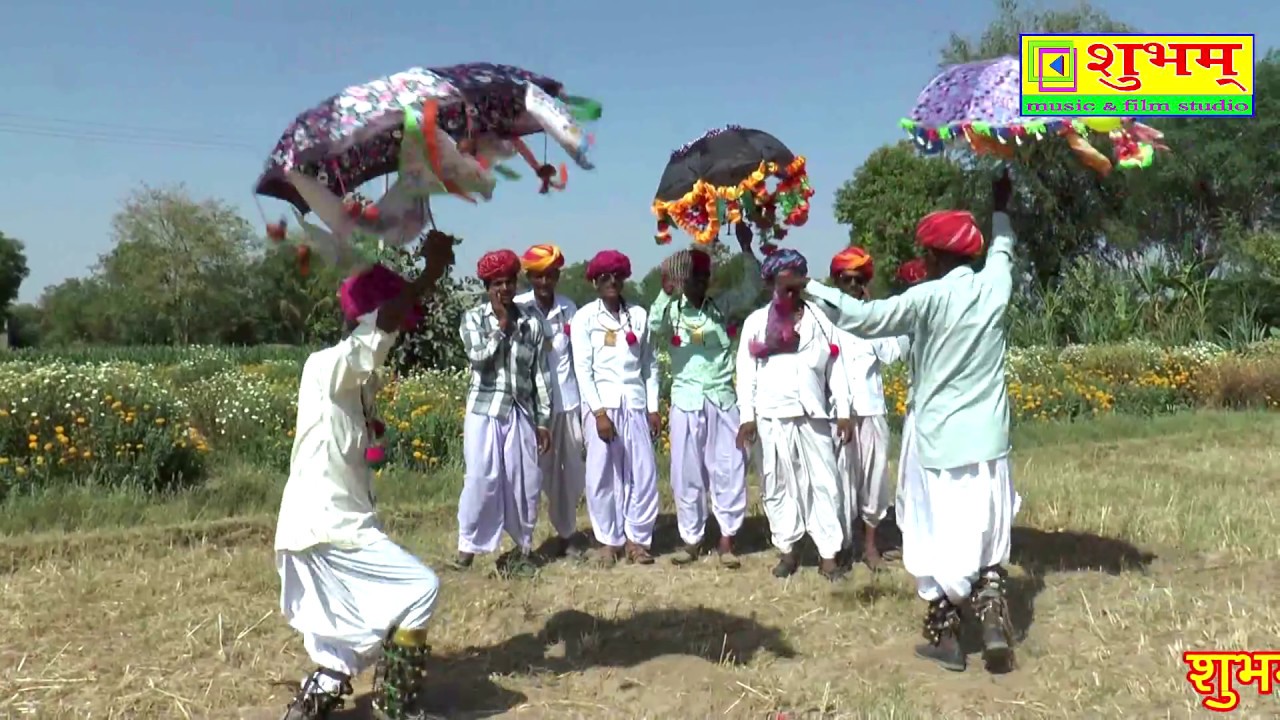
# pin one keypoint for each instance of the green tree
(24, 325)
(78, 311)
(436, 343)
(13, 270)
(181, 262)
(887, 196)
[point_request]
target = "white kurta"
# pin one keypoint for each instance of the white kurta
(864, 462)
(563, 466)
(792, 398)
(344, 584)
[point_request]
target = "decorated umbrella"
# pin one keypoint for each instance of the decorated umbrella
(722, 178)
(981, 103)
(442, 130)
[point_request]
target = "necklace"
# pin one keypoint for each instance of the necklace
(683, 323)
(624, 323)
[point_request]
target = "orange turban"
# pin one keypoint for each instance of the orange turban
(853, 259)
(953, 231)
(541, 258)
(912, 272)
(498, 264)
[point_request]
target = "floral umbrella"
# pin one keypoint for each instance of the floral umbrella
(443, 130)
(721, 178)
(981, 102)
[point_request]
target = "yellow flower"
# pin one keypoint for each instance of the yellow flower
(79, 420)
(159, 421)
(20, 470)
(58, 429)
(4, 461)
(417, 455)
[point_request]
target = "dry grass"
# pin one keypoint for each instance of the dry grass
(1128, 552)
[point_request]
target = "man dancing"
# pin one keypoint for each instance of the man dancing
(563, 465)
(864, 463)
(355, 595)
(705, 458)
(959, 499)
(508, 411)
(788, 381)
(617, 373)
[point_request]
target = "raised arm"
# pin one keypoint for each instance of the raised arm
(361, 353)
(870, 319)
(999, 265)
(482, 347)
(584, 362)
(746, 373)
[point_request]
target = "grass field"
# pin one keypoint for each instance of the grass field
(1138, 538)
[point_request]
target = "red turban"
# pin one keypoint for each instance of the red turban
(498, 264)
(541, 258)
(912, 272)
(953, 231)
(853, 259)
(609, 261)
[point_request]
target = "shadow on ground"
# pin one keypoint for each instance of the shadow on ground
(572, 640)
(751, 538)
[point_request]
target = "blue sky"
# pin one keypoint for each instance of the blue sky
(84, 80)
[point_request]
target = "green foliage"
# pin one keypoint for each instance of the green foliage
(888, 195)
(435, 344)
(13, 270)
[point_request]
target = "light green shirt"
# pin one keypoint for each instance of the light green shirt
(702, 364)
(958, 343)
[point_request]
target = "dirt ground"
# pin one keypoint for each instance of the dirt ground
(1127, 553)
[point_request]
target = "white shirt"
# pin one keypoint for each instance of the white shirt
(806, 383)
(864, 360)
(556, 327)
(329, 496)
(618, 375)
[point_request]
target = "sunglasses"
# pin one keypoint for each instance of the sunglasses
(605, 278)
(851, 279)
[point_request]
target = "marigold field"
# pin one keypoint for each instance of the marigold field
(150, 418)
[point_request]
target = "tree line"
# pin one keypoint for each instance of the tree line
(1187, 249)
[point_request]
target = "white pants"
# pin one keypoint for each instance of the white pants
(954, 521)
(344, 601)
(502, 482)
(563, 472)
(801, 486)
(864, 475)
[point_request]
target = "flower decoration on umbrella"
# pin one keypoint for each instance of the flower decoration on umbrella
(444, 130)
(981, 103)
(723, 178)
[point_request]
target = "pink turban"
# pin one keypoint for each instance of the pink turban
(369, 290)
(609, 261)
(953, 231)
(498, 264)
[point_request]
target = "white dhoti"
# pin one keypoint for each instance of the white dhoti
(955, 522)
(864, 475)
(344, 601)
(501, 484)
(801, 486)
(563, 472)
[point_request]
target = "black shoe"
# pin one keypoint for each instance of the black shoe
(787, 566)
(992, 610)
(942, 631)
(462, 561)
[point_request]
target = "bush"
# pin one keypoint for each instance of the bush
(122, 422)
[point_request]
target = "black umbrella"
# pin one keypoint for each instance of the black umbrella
(721, 157)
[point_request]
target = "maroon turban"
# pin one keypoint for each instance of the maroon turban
(700, 262)
(498, 264)
(953, 231)
(912, 272)
(609, 261)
